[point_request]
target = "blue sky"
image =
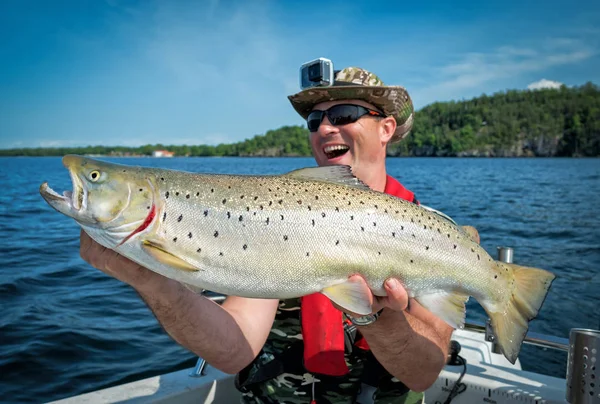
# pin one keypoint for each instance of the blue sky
(76, 73)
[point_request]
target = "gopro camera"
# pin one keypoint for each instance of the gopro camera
(316, 73)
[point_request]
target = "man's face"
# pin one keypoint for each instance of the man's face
(360, 145)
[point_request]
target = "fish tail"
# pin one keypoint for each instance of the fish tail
(528, 294)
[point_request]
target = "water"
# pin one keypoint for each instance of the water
(66, 328)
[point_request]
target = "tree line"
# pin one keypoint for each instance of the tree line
(547, 122)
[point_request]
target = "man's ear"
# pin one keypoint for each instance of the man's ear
(387, 128)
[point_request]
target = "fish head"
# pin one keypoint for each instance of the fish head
(110, 198)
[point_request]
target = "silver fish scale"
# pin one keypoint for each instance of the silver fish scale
(292, 231)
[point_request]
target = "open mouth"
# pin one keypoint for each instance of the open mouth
(71, 200)
(334, 151)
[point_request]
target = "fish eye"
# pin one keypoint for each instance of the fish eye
(94, 175)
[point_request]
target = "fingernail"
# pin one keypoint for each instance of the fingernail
(392, 283)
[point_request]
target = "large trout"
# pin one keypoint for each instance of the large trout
(295, 234)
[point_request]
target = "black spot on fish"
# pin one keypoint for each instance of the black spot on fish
(478, 257)
(167, 194)
(162, 178)
(280, 201)
(228, 215)
(285, 238)
(281, 217)
(495, 276)
(426, 247)
(164, 216)
(179, 218)
(455, 246)
(414, 235)
(425, 227)
(323, 214)
(174, 239)
(307, 254)
(411, 261)
(351, 217)
(197, 193)
(240, 218)
(362, 228)
(190, 235)
(268, 220)
(401, 227)
(242, 197)
(374, 224)
(337, 209)
(220, 254)
(378, 252)
(224, 201)
(216, 234)
(313, 222)
(199, 250)
(393, 234)
(362, 203)
(299, 202)
(256, 197)
(187, 196)
(212, 190)
(337, 242)
(270, 203)
(349, 203)
(205, 213)
(448, 235)
(376, 207)
(148, 207)
(316, 196)
(261, 207)
(177, 193)
(141, 189)
(244, 246)
(247, 208)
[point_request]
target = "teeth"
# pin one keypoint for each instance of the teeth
(329, 149)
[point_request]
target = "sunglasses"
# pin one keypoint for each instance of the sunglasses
(341, 114)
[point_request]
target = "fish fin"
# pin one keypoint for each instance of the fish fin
(351, 295)
(511, 323)
(196, 289)
(472, 233)
(448, 306)
(438, 213)
(338, 174)
(158, 252)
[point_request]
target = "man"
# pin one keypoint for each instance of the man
(400, 347)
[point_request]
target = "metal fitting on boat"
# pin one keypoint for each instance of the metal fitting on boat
(583, 367)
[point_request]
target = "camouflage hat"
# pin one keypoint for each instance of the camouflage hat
(354, 83)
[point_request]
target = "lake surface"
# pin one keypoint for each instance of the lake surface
(66, 328)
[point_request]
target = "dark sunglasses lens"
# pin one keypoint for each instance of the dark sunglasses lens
(314, 120)
(343, 114)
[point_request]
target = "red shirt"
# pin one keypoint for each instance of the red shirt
(322, 323)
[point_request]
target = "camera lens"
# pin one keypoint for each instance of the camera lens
(314, 72)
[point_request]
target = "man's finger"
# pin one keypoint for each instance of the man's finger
(397, 298)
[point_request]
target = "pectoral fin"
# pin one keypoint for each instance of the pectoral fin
(450, 307)
(156, 250)
(353, 296)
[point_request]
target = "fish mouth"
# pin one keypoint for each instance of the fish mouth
(70, 203)
(335, 150)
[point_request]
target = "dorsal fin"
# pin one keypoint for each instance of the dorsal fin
(337, 174)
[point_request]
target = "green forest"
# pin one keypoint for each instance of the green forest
(516, 123)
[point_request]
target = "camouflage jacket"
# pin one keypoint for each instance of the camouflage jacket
(302, 387)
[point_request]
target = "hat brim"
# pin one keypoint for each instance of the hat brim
(391, 100)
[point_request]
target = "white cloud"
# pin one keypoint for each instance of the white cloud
(472, 71)
(543, 83)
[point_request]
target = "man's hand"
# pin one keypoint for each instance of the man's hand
(115, 265)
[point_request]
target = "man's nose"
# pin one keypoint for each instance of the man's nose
(325, 127)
